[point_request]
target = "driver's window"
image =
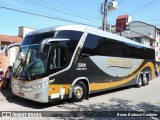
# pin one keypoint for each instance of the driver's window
(58, 57)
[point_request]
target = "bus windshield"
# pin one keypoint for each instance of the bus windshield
(30, 62)
(33, 61)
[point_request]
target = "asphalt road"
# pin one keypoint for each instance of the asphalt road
(129, 99)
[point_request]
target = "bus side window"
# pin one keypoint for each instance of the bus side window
(58, 58)
(92, 46)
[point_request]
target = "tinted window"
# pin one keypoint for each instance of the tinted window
(134, 50)
(141, 53)
(123, 50)
(109, 47)
(71, 44)
(96, 45)
(58, 58)
(73, 36)
(149, 53)
(35, 39)
(69, 34)
(92, 46)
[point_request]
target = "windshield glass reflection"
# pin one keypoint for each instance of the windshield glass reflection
(30, 62)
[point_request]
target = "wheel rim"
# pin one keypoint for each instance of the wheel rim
(78, 91)
(146, 79)
(140, 81)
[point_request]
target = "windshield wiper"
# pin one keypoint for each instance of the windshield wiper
(18, 70)
(25, 64)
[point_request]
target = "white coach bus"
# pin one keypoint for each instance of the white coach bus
(74, 61)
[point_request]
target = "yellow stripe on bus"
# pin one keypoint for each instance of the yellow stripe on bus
(100, 86)
(55, 88)
(134, 69)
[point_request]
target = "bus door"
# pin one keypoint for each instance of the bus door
(58, 57)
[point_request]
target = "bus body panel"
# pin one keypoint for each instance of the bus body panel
(98, 79)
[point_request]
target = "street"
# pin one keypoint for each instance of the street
(127, 99)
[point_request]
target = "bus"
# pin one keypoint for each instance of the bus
(74, 61)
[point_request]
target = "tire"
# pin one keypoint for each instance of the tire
(145, 80)
(140, 81)
(79, 91)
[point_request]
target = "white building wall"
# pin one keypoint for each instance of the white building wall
(147, 41)
(24, 30)
(157, 46)
(143, 28)
(12, 56)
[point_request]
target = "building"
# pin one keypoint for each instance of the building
(122, 22)
(139, 31)
(7, 40)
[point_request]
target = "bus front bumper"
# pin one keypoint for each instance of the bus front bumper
(40, 94)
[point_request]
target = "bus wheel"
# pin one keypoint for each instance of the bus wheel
(139, 84)
(145, 80)
(79, 91)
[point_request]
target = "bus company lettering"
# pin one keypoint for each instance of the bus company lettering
(120, 62)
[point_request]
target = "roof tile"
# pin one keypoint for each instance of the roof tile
(13, 39)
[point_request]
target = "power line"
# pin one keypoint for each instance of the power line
(45, 16)
(80, 11)
(142, 7)
(73, 11)
(11, 5)
(141, 3)
(154, 10)
(56, 10)
(149, 11)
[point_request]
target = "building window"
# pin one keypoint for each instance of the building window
(158, 33)
(156, 53)
(1, 48)
(139, 40)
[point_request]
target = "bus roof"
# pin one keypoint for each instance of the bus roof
(88, 29)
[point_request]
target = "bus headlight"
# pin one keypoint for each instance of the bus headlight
(23, 88)
(38, 86)
(26, 89)
(16, 86)
(30, 88)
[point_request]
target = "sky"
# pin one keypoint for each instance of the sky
(45, 13)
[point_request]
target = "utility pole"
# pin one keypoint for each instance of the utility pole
(104, 23)
(105, 7)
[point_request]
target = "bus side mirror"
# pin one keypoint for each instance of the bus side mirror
(42, 44)
(10, 46)
(48, 41)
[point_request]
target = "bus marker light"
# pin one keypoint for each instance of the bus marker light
(51, 81)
